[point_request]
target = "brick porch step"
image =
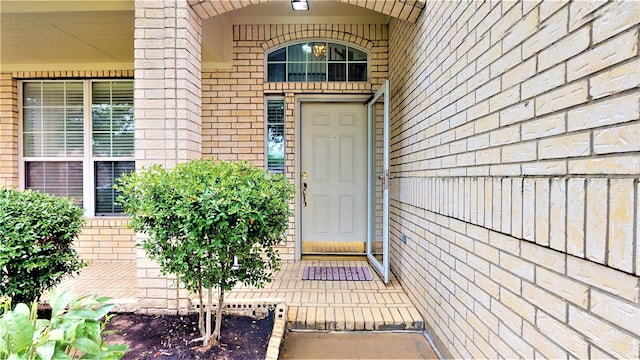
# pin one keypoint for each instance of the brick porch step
(360, 318)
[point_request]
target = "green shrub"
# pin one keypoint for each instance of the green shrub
(75, 330)
(202, 215)
(36, 231)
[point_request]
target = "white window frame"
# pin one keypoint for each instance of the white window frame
(88, 160)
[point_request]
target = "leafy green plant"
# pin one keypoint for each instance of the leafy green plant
(74, 331)
(37, 231)
(211, 224)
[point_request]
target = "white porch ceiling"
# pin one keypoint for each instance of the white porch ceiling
(98, 34)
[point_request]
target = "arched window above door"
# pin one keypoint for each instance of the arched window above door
(317, 61)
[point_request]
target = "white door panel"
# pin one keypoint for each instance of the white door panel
(334, 161)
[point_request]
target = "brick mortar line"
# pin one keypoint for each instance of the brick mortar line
(499, 231)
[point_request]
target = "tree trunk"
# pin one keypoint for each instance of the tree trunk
(207, 337)
(216, 334)
(201, 311)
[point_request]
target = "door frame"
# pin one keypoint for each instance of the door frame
(299, 102)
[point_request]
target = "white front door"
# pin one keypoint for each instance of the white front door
(333, 172)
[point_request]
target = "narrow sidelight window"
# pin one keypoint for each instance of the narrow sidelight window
(275, 135)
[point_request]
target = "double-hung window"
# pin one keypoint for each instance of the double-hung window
(77, 139)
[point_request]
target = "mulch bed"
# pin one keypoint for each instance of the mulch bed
(168, 337)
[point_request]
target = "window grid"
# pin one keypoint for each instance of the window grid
(49, 129)
(324, 61)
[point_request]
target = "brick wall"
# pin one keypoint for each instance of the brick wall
(167, 83)
(107, 239)
(518, 190)
(233, 111)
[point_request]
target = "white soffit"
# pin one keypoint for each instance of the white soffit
(95, 34)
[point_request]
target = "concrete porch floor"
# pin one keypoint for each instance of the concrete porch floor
(311, 304)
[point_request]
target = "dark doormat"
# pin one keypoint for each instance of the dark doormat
(336, 273)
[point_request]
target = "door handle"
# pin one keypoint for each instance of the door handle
(304, 194)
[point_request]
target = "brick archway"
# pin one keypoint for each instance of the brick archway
(407, 10)
(343, 36)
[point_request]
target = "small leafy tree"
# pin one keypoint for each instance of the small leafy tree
(75, 329)
(211, 224)
(37, 232)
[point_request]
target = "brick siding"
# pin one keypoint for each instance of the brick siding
(519, 191)
(107, 240)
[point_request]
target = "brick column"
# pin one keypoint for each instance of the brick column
(168, 37)
(8, 131)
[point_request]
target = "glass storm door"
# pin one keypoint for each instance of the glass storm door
(378, 185)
